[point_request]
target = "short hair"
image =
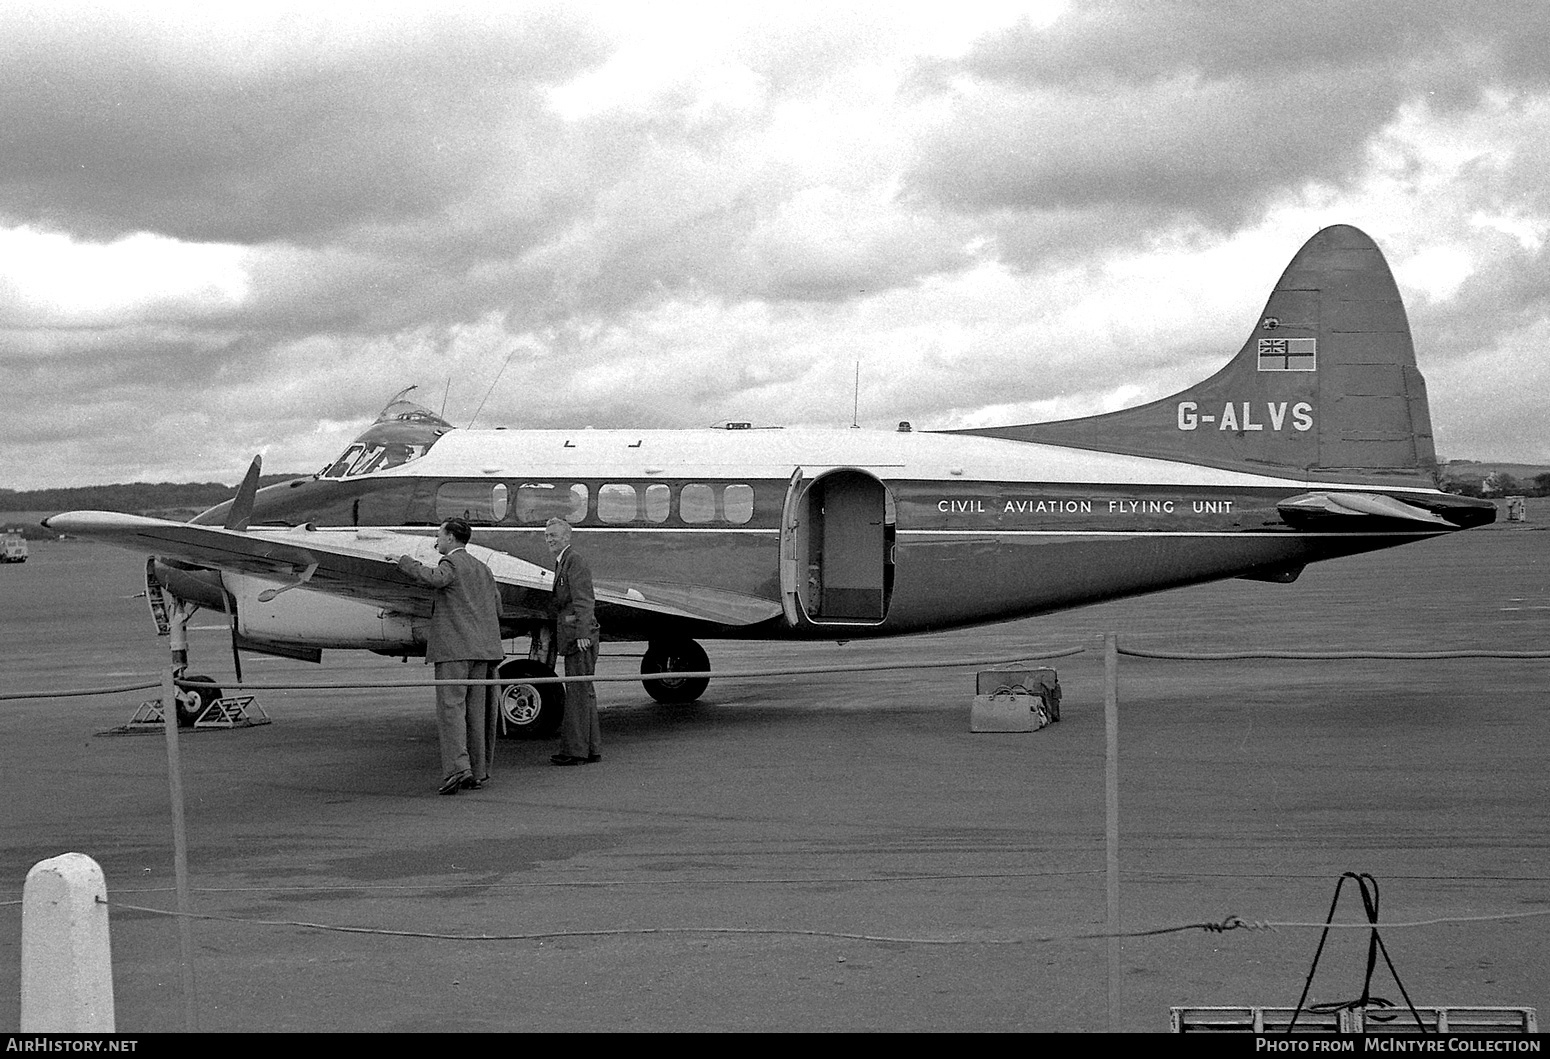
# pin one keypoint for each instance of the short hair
(558, 522)
(458, 529)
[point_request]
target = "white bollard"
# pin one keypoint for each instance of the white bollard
(67, 969)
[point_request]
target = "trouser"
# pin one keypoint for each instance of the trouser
(579, 734)
(465, 718)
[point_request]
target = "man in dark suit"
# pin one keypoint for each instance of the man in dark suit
(576, 637)
(464, 644)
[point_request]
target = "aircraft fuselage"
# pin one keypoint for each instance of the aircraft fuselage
(855, 533)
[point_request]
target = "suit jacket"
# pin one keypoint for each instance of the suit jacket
(465, 622)
(573, 602)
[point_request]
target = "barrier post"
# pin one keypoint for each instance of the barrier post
(169, 720)
(1111, 821)
(67, 965)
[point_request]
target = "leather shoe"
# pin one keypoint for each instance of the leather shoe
(471, 784)
(566, 759)
(592, 759)
(452, 783)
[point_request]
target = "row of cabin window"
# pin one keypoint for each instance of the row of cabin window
(534, 503)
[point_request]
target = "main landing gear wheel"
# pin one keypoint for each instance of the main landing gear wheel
(192, 701)
(529, 711)
(675, 656)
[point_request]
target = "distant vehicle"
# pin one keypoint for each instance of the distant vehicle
(1312, 443)
(14, 548)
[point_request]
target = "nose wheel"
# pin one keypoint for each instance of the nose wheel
(193, 701)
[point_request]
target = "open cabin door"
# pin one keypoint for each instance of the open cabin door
(836, 544)
(790, 564)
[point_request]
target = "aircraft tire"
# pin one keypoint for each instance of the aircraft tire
(668, 656)
(192, 701)
(529, 711)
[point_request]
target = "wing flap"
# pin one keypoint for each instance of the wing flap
(687, 601)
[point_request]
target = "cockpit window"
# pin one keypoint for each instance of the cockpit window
(370, 462)
(404, 431)
(364, 461)
(361, 458)
(389, 456)
(338, 468)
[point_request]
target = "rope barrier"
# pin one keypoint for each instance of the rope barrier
(1230, 923)
(73, 692)
(871, 667)
(1225, 925)
(335, 685)
(546, 935)
(598, 884)
(1234, 656)
(390, 889)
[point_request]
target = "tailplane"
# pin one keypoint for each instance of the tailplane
(1325, 388)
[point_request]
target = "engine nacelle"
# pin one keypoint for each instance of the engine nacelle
(298, 616)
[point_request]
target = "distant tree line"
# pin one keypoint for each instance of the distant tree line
(136, 498)
(1500, 484)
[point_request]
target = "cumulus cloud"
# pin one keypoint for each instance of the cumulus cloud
(292, 130)
(49, 278)
(1202, 113)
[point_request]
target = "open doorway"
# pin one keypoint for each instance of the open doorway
(840, 534)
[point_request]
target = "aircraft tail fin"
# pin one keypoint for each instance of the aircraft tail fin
(1326, 387)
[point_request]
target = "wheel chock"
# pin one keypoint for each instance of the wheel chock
(147, 715)
(233, 711)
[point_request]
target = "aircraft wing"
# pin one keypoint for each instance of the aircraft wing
(361, 564)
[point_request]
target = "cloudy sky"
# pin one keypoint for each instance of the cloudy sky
(228, 234)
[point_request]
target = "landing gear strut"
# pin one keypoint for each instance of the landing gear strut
(675, 656)
(197, 700)
(191, 702)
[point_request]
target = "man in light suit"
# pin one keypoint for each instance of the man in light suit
(464, 644)
(576, 637)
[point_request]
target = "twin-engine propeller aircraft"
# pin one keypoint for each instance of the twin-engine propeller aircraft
(1314, 442)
